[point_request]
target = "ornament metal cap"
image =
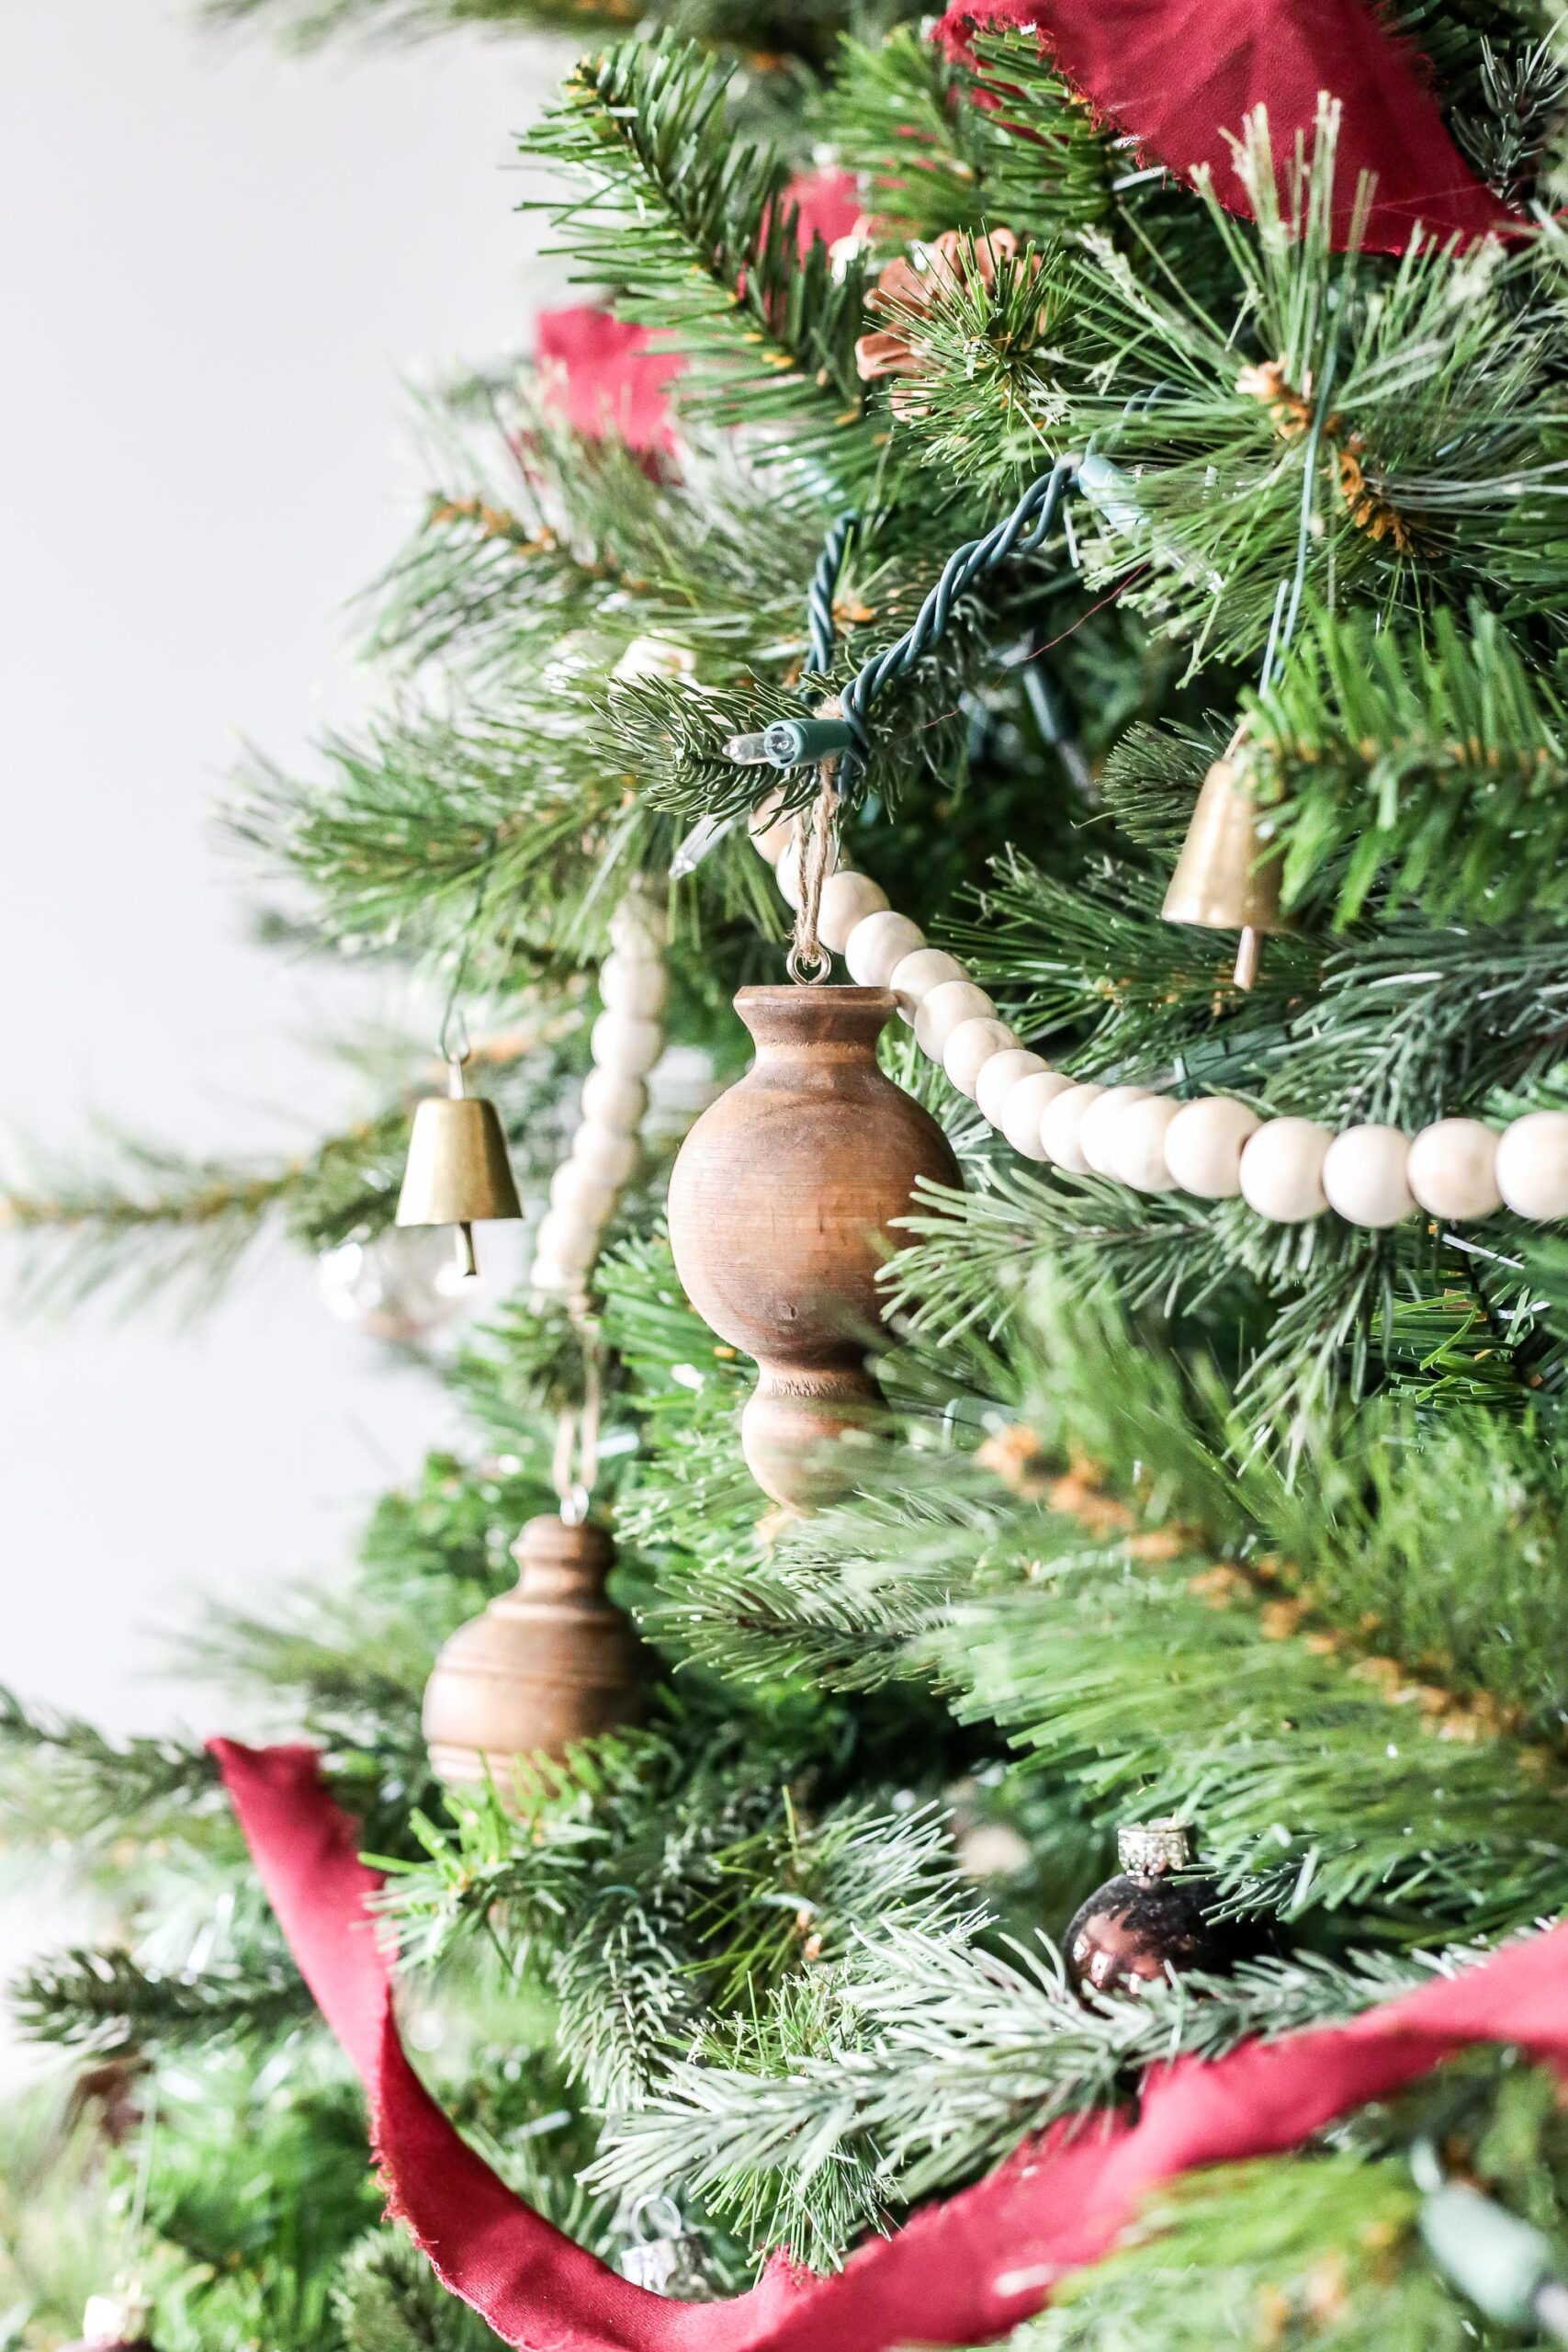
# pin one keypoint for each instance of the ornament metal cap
(1150, 1848)
(457, 1172)
(1225, 878)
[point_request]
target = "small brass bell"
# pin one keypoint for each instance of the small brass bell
(457, 1170)
(1224, 880)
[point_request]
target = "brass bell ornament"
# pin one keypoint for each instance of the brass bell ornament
(457, 1172)
(1227, 878)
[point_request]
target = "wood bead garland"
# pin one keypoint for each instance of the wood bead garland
(915, 977)
(1452, 1168)
(1364, 1177)
(847, 899)
(612, 1100)
(1203, 1145)
(1281, 1171)
(783, 1203)
(1025, 1107)
(1097, 1128)
(1459, 1169)
(628, 1038)
(1000, 1074)
(970, 1046)
(549, 1664)
(626, 1044)
(878, 944)
(1061, 1127)
(1136, 1148)
(1531, 1168)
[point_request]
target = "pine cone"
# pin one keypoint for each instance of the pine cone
(909, 290)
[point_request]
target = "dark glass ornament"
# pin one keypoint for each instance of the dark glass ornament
(1144, 1925)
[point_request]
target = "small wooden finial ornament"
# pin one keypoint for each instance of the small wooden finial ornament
(549, 1663)
(782, 1205)
(1226, 879)
(457, 1172)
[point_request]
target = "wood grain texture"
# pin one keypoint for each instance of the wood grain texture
(548, 1664)
(782, 1207)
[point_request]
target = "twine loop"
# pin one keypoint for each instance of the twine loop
(574, 1465)
(809, 962)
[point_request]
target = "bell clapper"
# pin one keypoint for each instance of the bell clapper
(1248, 956)
(456, 1092)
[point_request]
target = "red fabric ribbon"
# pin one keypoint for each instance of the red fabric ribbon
(1178, 74)
(826, 205)
(598, 370)
(962, 2270)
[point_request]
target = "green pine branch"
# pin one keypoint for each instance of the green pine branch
(108, 2002)
(1428, 770)
(693, 232)
(903, 118)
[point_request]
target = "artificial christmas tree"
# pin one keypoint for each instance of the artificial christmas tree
(1218, 1473)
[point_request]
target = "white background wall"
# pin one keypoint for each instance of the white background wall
(217, 269)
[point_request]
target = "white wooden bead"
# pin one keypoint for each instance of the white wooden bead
(549, 1275)
(639, 925)
(789, 872)
(1023, 1111)
(1061, 1125)
(1532, 1165)
(1452, 1168)
(655, 657)
(1281, 1171)
(913, 977)
(846, 900)
(971, 1045)
(771, 834)
(577, 1193)
(940, 1012)
(623, 1043)
(1363, 1175)
(877, 944)
(602, 1153)
(1204, 1146)
(567, 1241)
(1136, 1150)
(609, 1099)
(635, 984)
(1098, 1126)
(1000, 1074)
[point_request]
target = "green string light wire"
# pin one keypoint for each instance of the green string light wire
(798, 742)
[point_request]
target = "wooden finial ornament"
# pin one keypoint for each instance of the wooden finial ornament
(549, 1663)
(781, 1205)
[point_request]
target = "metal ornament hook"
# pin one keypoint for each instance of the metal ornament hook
(455, 1050)
(808, 967)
